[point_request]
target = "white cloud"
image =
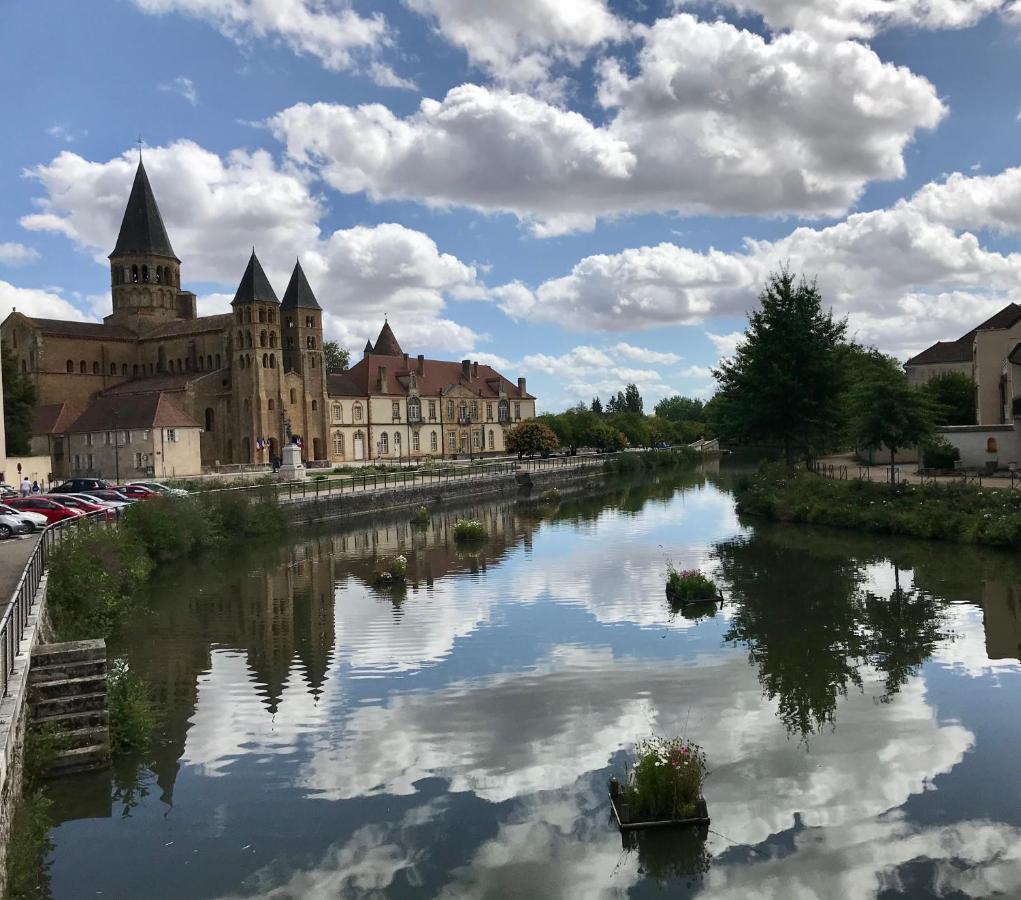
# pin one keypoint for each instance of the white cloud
(645, 355)
(519, 43)
(762, 127)
(703, 372)
(14, 254)
(63, 133)
(385, 76)
(46, 304)
(333, 33)
(216, 208)
(725, 344)
(183, 86)
(860, 18)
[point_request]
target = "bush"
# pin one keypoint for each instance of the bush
(652, 460)
(241, 514)
(939, 453)
(94, 577)
(469, 531)
(531, 437)
(420, 516)
(666, 782)
(690, 586)
(171, 527)
(132, 716)
(391, 570)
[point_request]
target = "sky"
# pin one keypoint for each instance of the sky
(583, 192)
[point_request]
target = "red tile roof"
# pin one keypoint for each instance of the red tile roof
(943, 352)
(436, 378)
(54, 418)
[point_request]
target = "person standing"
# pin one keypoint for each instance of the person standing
(35, 487)
(26, 486)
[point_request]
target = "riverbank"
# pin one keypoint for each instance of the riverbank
(947, 512)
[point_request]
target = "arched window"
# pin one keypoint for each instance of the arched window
(462, 412)
(272, 317)
(218, 360)
(357, 412)
(397, 443)
(171, 365)
(82, 367)
(24, 366)
(384, 443)
(201, 363)
(209, 362)
(134, 369)
(248, 314)
(310, 342)
(293, 396)
(95, 368)
(124, 370)
(134, 274)
(159, 274)
(338, 412)
(338, 443)
(272, 360)
(70, 365)
(113, 368)
(492, 439)
(315, 405)
(991, 446)
(265, 360)
(414, 409)
(145, 273)
(248, 339)
(209, 418)
(272, 339)
(241, 319)
(262, 339)
(262, 314)
(271, 404)
(504, 413)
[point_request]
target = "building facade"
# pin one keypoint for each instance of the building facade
(243, 382)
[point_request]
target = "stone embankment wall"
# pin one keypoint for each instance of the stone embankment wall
(340, 506)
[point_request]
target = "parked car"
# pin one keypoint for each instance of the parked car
(112, 495)
(84, 506)
(46, 506)
(161, 488)
(136, 491)
(75, 485)
(7, 491)
(12, 525)
(37, 521)
(109, 503)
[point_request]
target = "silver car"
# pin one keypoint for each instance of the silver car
(35, 521)
(12, 525)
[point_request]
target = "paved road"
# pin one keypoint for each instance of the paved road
(14, 554)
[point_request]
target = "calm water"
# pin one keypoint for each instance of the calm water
(858, 700)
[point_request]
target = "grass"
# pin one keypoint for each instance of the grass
(957, 512)
(469, 531)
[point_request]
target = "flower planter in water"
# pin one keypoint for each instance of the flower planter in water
(622, 814)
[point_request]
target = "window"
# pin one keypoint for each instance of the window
(414, 410)
(241, 317)
(139, 460)
(145, 434)
(262, 318)
(262, 339)
(272, 317)
(384, 443)
(77, 462)
(272, 339)
(338, 412)
(450, 409)
(358, 412)
(134, 369)
(475, 409)
(113, 368)
(171, 364)
(293, 396)
(82, 367)
(310, 342)
(432, 441)
(477, 440)
(125, 437)
(265, 360)
(248, 314)
(209, 418)
(397, 444)
(171, 435)
(109, 438)
(338, 443)
(315, 405)
(88, 439)
(124, 370)
(310, 322)
(432, 410)
(517, 411)
(396, 407)
(270, 404)
(218, 360)
(489, 412)
(91, 463)
(452, 440)
(462, 412)
(504, 411)
(492, 439)
(70, 365)
(414, 442)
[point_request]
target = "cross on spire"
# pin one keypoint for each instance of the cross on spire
(140, 142)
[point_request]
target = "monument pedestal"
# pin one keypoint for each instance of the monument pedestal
(291, 467)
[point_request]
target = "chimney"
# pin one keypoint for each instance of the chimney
(405, 362)
(421, 364)
(466, 367)
(521, 387)
(383, 386)
(475, 370)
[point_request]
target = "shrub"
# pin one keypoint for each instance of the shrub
(939, 453)
(241, 514)
(132, 716)
(171, 527)
(666, 782)
(689, 586)
(94, 577)
(469, 531)
(531, 437)
(391, 570)
(420, 516)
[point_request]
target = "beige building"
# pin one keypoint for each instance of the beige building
(243, 382)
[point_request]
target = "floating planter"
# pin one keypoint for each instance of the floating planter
(690, 586)
(663, 789)
(469, 531)
(551, 497)
(391, 570)
(420, 516)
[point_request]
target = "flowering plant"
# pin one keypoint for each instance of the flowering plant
(666, 781)
(469, 530)
(392, 570)
(688, 585)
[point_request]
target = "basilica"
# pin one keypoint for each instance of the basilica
(157, 390)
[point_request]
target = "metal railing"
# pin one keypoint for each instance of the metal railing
(19, 607)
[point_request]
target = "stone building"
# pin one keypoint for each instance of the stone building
(242, 381)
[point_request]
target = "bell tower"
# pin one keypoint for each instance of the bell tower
(145, 274)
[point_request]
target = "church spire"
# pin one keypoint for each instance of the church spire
(386, 344)
(254, 286)
(299, 292)
(142, 231)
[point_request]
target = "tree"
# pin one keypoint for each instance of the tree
(531, 437)
(19, 404)
(634, 427)
(681, 409)
(597, 406)
(337, 358)
(607, 438)
(785, 380)
(887, 411)
(953, 397)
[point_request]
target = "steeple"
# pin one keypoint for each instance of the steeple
(254, 286)
(368, 348)
(386, 344)
(299, 293)
(142, 231)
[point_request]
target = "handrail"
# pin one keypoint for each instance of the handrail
(15, 616)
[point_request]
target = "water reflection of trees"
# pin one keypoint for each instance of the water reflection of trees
(811, 627)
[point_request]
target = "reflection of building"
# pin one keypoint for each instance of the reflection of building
(1001, 617)
(239, 381)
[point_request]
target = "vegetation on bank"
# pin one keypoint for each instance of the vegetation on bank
(633, 463)
(133, 716)
(955, 512)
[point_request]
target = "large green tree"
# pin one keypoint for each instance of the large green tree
(19, 405)
(681, 409)
(887, 411)
(783, 384)
(530, 438)
(953, 397)
(337, 357)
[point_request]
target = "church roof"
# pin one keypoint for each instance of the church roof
(100, 331)
(142, 231)
(149, 410)
(254, 286)
(299, 293)
(386, 344)
(182, 327)
(368, 347)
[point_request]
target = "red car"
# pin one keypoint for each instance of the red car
(135, 492)
(83, 505)
(54, 512)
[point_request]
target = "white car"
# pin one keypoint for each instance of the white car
(34, 520)
(160, 488)
(99, 501)
(12, 525)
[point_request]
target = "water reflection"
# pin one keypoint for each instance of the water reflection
(326, 738)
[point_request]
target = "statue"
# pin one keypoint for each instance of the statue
(287, 430)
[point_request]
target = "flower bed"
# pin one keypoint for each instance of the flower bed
(468, 531)
(690, 586)
(664, 787)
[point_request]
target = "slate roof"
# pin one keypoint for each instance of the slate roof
(299, 293)
(254, 286)
(142, 231)
(152, 409)
(386, 344)
(960, 351)
(54, 418)
(181, 327)
(99, 331)
(341, 384)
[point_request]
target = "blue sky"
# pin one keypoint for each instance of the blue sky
(583, 192)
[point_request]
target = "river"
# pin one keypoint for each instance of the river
(857, 698)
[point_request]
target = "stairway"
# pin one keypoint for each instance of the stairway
(68, 694)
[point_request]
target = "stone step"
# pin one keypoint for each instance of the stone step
(79, 703)
(63, 671)
(89, 736)
(72, 721)
(81, 759)
(67, 687)
(69, 651)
